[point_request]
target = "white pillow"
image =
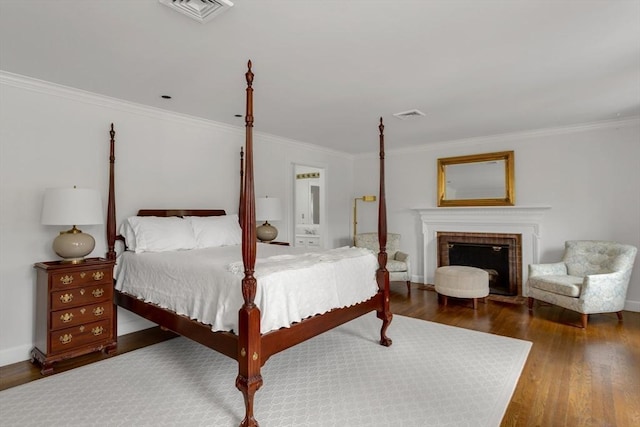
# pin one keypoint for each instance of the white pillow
(126, 231)
(159, 234)
(215, 231)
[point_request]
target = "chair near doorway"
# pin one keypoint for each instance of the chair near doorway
(592, 277)
(397, 262)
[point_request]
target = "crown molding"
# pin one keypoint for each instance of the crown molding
(535, 133)
(79, 95)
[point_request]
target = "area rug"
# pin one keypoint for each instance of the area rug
(432, 375)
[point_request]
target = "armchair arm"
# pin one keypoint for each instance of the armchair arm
(608, 286)
(553, 269)
(401, 256)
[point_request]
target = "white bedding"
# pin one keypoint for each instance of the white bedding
(205, 284)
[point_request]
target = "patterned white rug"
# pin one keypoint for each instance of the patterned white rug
(432, 375)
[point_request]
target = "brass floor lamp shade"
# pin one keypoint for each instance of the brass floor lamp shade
(355, 212)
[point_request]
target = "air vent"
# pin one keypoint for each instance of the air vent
(411, 114)
(200, 10)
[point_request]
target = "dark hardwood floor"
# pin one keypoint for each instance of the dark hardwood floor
(573, 377)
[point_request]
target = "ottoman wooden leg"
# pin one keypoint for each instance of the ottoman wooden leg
(444, 300)
(475, 303)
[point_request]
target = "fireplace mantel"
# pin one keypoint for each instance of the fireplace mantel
(523, 220)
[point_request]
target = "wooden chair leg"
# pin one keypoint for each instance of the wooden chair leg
(475, 303)
(530, 303)
(409, 287)
(444, 300)
(585, 319)
(619, 314)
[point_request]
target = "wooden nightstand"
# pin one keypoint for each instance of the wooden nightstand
(75, 313)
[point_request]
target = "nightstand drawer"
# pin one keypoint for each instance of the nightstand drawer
(77, 278)
(81, 296)
(80, 315)
(77, 336)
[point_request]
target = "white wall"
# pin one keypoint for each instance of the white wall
(51, 136)
(589, 175)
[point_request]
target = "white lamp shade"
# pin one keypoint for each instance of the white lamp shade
(268, 209)
(72, 206)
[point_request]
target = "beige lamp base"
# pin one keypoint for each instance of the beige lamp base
(266, 232)
(73, 245)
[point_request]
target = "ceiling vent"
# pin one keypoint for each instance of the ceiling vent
(200, 10)
(411, 114)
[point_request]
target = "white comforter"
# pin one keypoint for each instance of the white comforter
(205, 284)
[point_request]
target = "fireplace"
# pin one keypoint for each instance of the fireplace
(483, 221)
(500, 254)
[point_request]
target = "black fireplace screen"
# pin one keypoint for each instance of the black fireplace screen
(490, 257)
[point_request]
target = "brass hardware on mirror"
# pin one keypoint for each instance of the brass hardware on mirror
(98, 292)
(98, 311)
(66, 338)
(497, 248)
(66, 280)
(66, 298)
(98, 330)
(66, 318)
(477, 180)
(98, 275)
(450, 245)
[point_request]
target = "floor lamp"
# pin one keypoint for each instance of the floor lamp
(355, 213)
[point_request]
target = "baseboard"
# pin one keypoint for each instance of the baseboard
(15, 354)
(632, 306)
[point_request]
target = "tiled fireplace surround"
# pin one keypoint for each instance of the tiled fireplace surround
(479, 225)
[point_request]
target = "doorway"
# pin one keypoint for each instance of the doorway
(309, 206)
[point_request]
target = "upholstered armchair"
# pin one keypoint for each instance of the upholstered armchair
(397, 261)
(592, 277)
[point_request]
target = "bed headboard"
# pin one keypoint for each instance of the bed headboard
(181, 212)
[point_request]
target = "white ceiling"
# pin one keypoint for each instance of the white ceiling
(327, 70)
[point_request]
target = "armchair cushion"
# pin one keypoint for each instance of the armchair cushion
(562, 285)
(395, 266)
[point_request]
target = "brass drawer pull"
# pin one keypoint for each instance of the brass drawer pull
(66, 280)
(97, 292)
(66, 298)
(66, 318)
(66, 338)
(98, 311)
(98, 275)
(98, 330)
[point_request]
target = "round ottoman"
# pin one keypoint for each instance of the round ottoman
(460, 281)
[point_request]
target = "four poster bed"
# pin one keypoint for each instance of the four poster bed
(247, 339)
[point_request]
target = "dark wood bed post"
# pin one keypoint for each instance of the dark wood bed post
(249, 379)
(111, 206)
(382, 275)
(241, 198)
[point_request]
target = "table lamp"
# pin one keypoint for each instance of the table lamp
(268, 208)
(72, 206)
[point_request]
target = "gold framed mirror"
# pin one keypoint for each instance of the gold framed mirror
(477, 180)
